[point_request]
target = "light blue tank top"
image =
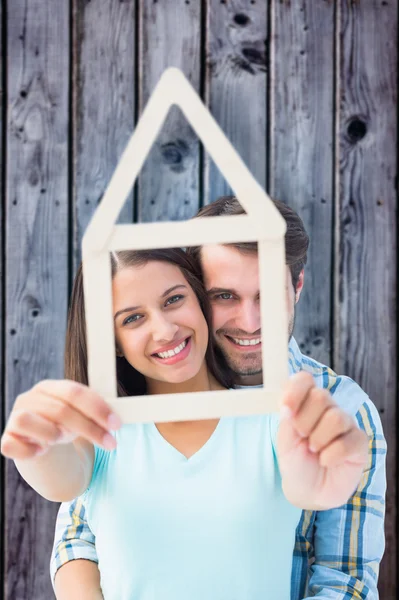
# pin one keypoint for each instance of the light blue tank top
(215, 526)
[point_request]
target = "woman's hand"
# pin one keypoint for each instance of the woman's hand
(322, 453)
(56, 412)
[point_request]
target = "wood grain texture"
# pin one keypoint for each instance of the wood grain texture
(103, 103)
(235, 87)
(366, 259)
(301, 155)
(170, 36)
(36, 258)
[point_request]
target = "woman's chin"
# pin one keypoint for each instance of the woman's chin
(178, 376)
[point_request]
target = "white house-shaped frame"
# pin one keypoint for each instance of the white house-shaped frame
(262, 223)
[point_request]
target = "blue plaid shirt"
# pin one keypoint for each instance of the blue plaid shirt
(337, 552)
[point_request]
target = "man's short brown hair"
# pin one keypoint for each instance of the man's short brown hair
(296, 238)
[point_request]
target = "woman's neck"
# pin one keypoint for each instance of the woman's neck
(187, 436)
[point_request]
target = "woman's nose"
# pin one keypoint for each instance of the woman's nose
(163, 329)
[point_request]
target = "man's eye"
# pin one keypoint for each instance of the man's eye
(174, 299)
(224, 296)
(131, 319)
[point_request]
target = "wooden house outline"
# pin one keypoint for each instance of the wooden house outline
(262, 223)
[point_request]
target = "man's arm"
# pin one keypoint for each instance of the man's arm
(74, 540)
(348, 542)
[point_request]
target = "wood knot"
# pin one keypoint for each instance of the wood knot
(356, 130)
(174, 154)
(241, 19)
(33, 306)
(254, 56)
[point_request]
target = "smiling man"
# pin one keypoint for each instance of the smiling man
(232, 281)
(338, 551)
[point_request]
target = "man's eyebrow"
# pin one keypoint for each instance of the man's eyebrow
(132, 308)
(216, 290)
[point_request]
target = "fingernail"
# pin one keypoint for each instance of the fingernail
(312, 449)
(114, 421)
(285, 413)
(109, 442)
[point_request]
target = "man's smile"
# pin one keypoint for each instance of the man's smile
(245, 344)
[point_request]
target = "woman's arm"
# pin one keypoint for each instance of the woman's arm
(78, 579)
(62, 473)
(57, 468)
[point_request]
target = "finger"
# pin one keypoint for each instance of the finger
(333, 424)
(17, 448)
(288, 438)
(64, 415)
(83, 399)
(295, 393)
(351, 447)
(33, 426)
(317, 402)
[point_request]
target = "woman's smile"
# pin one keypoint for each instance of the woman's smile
(173, 353)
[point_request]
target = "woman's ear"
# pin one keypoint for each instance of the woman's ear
(118, 352)
(299, 285)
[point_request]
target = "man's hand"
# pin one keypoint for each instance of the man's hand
(321, 451)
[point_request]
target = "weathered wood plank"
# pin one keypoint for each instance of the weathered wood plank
(366, 260)
(301, 159)
(235, 87)
(170, 35)
(103, 103)
(36, 257)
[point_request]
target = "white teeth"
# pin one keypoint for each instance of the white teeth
(170, 353)
(253, 342)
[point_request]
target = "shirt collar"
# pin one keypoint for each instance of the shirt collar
(294, 357)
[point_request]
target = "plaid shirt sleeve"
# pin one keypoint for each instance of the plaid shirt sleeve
(73, 536)
(344, 546)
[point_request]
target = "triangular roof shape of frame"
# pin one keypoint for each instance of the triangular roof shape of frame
(262, 223)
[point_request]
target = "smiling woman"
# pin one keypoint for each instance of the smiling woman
(163, 333)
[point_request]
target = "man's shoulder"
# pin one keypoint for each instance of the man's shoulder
(346, 392)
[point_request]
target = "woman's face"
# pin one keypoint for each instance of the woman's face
(159, 326)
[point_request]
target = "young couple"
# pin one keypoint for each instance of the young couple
(204, 509)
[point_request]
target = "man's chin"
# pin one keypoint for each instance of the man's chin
(244, 370)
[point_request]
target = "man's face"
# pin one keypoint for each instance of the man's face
(232, 282)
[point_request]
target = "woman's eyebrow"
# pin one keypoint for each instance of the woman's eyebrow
(129, 309)
(132, 308)
(171, 289)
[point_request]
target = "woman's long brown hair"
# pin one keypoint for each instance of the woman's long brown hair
(129, 381)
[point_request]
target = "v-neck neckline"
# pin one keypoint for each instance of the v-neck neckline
(176, 454)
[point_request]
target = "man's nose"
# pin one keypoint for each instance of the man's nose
(163, 330)
(248, 317)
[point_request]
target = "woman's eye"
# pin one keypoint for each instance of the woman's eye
(173, 299)
(131, 319)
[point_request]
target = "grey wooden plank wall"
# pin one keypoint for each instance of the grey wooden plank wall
(36, 255)
(366, 232)
(306, 91)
